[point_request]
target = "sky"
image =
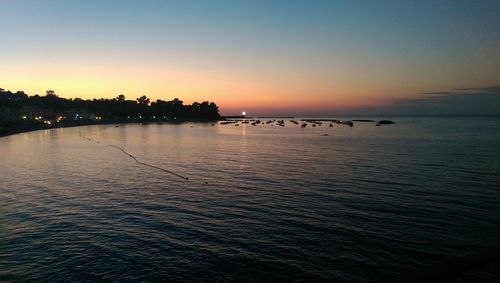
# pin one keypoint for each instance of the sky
(264, 57)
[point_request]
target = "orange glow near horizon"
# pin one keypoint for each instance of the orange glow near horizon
(229, 92)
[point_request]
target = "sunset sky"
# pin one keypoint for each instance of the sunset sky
(260, 56)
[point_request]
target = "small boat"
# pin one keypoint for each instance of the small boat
(349, 123)
(384, 122)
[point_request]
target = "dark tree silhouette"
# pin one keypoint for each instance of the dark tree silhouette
(121, 98)
(50, 93)
(143, 100)
(109, 109)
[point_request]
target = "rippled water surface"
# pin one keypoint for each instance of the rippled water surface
(261, 203)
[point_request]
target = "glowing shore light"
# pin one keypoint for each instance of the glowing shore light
(244, 113)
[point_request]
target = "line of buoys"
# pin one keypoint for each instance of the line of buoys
(147, 164)
(89, 139)
(137, 161)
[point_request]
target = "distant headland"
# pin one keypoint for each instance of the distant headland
(20, 112)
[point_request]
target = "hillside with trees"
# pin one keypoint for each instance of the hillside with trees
(19, 110)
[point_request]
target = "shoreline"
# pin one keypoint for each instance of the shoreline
(14, 129)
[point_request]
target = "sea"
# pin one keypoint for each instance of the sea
(205, 202)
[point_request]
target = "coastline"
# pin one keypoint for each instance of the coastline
(13, 129)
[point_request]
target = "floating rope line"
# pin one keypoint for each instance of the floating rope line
(139, 162)
(146, 164)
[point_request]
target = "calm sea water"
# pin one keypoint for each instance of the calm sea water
(262, 203)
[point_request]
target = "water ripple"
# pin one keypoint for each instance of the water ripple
(267, 204)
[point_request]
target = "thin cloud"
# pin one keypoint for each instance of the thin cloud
(465, 101)
(470, 101)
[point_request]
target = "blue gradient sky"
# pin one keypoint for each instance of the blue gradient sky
(259, 56)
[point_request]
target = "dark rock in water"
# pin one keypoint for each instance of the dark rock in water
(384, 122)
